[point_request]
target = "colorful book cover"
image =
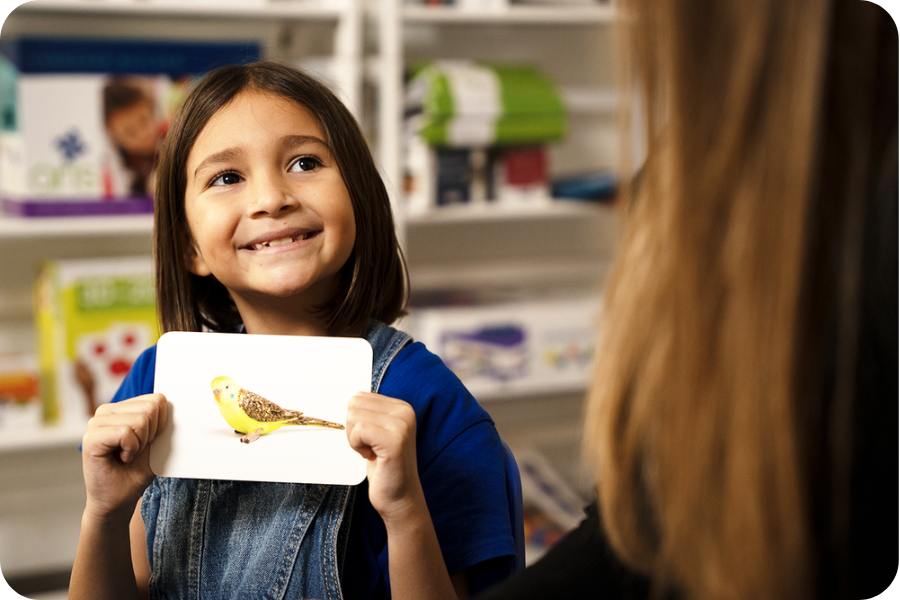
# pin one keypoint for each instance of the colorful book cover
(520, 174)
(454, 176)
(84, 120)
(94, 318)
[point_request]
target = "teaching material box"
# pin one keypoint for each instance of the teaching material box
(94, 318)
(83, 120)
(500, 350)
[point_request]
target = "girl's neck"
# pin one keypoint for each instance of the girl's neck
(274, 320)
(262, 326)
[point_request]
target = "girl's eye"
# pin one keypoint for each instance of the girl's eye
(305, 163)
(227, 178)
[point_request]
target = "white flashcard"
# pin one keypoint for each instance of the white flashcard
(216, 383)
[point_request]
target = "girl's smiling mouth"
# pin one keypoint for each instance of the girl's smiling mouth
(280, 239)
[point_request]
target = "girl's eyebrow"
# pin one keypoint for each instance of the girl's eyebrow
(226, 155)
(292, 141)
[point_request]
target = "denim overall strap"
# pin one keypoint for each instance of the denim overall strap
(386, 343)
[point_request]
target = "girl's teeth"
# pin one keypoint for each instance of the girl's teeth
(280, 242)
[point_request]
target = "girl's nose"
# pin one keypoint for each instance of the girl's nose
(271, 198)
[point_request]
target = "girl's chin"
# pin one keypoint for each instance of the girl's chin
(317, 292)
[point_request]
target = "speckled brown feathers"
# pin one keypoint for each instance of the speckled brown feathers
(265, 411)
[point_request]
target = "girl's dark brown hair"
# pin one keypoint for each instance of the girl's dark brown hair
(743, 416)
(373, 282)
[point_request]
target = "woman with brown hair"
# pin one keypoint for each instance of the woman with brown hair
(743, 421)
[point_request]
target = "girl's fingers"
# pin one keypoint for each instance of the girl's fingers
(127, 434)
(380, 427)
(152, 405)
(376, 403)
(372, 440)
(127, 427)
(388, 412)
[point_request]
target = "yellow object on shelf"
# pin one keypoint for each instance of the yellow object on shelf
(94, 318)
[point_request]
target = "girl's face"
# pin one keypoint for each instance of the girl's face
(267, 207)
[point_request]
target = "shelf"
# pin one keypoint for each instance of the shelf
(489, 211)
(586, 100)
(539, 15)
(506, 274)
(40, 438)
(259, 9)
(498, 392)
(35, 227)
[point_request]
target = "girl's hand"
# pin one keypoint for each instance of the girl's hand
(383, 430)
(115, 454)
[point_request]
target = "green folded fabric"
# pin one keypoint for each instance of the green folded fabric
(470, 104)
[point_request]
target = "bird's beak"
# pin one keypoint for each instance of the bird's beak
(217, 394)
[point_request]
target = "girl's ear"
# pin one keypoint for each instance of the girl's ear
(193, 260)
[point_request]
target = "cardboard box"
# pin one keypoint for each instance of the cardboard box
(94, 318)
(509, 349)
(83, 120)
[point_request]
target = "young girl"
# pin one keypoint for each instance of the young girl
(272, 219)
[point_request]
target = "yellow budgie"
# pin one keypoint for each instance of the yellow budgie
(253, 415)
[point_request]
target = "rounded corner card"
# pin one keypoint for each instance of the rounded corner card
(287, 394)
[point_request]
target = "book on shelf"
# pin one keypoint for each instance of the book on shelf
(438, 176)
(551, 505)
(512, 347)
(520, 174)
(593, 185)
(83, 119)
(20, 397)
(93, 317)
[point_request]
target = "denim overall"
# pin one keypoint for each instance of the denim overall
(240, 539)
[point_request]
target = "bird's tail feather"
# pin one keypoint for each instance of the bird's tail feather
(304, 420)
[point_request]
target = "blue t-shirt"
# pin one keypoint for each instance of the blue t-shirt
(461, 468)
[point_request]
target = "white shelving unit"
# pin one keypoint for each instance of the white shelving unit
(539, 249)
(538, 246)
(573, 44)
(521, 13)
(415, 32)
(552, 247)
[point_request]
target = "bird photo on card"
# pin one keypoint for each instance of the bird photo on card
(252, 415)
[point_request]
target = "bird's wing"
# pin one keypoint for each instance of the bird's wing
(262, 410)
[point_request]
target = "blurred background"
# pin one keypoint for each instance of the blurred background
(493, 122)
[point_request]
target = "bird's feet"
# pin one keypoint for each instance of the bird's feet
(251, 437)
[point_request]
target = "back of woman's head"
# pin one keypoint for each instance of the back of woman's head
(373, 281)
(747, 381)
